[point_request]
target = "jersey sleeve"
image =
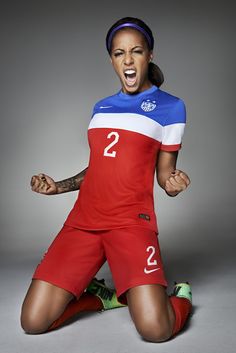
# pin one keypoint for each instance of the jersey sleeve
(173, 129)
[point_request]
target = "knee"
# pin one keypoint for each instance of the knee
(32, 323)
(154, 330)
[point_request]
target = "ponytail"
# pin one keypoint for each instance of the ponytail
(155, 75)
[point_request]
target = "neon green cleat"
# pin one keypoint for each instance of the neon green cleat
(107, 295)
(182, 290)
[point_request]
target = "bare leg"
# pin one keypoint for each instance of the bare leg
(43, 304)
(151, 311)
(47, 307)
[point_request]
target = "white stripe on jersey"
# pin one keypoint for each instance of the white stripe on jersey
(168, 135)
(172, 134)
(128, 121)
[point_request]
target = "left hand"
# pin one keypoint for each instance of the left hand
(177, 182)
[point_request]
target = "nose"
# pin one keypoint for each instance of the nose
(128, 59)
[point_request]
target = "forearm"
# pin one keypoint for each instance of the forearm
(166, 165)
(71, 184)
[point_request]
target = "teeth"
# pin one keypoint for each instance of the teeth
(129, 72)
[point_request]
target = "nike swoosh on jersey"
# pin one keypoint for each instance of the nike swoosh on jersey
(105, 107)
(149, 271)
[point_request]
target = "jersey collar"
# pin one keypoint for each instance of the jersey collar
(137, 95)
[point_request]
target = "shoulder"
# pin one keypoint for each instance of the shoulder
(175, 106)
(169, 98)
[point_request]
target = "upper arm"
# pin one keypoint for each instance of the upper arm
(173, 128)
(172, 134)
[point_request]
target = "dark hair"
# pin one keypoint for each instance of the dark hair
(155, 74)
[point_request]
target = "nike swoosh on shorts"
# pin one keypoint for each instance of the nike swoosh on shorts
(149, 271)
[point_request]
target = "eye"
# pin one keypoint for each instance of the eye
(138, 51)
(117, 54)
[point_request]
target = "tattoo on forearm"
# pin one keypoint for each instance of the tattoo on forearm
(71, 184)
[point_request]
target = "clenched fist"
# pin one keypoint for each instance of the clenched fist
(177, 182)
(43, 184)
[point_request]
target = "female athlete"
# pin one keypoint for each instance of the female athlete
(132, 134)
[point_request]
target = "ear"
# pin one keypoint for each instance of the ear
(151, 56)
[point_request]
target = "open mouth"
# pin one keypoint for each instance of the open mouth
(130, 77)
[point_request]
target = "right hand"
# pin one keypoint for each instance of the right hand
(43, 184)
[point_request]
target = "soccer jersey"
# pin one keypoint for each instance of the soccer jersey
(125, 134)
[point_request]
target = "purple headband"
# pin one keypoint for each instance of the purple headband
(132, 25)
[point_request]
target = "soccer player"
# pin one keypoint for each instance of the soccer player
(132, 134)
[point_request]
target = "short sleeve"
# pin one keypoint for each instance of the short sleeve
(173, 129)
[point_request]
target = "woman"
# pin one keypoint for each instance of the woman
(131, 134)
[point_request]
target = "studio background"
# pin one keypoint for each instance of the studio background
(54, 67)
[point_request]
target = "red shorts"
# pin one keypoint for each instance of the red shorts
(76, 255)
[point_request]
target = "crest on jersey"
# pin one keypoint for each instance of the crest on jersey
(148, 105)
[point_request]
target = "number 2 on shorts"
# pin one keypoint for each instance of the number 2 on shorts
(150, 261)
(152, 251)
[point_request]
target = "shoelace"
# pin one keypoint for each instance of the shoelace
(103, 292)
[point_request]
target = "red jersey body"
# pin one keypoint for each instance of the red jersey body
(125, 134)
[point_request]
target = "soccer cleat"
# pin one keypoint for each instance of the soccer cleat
(182, 290)
(107, 295)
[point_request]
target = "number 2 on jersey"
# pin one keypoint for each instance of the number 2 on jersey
(108, 153)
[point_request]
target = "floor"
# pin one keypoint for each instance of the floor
(211, 329)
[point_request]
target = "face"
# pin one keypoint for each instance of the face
(130, 57)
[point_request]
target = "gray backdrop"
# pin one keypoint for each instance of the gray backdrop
(54, 67)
